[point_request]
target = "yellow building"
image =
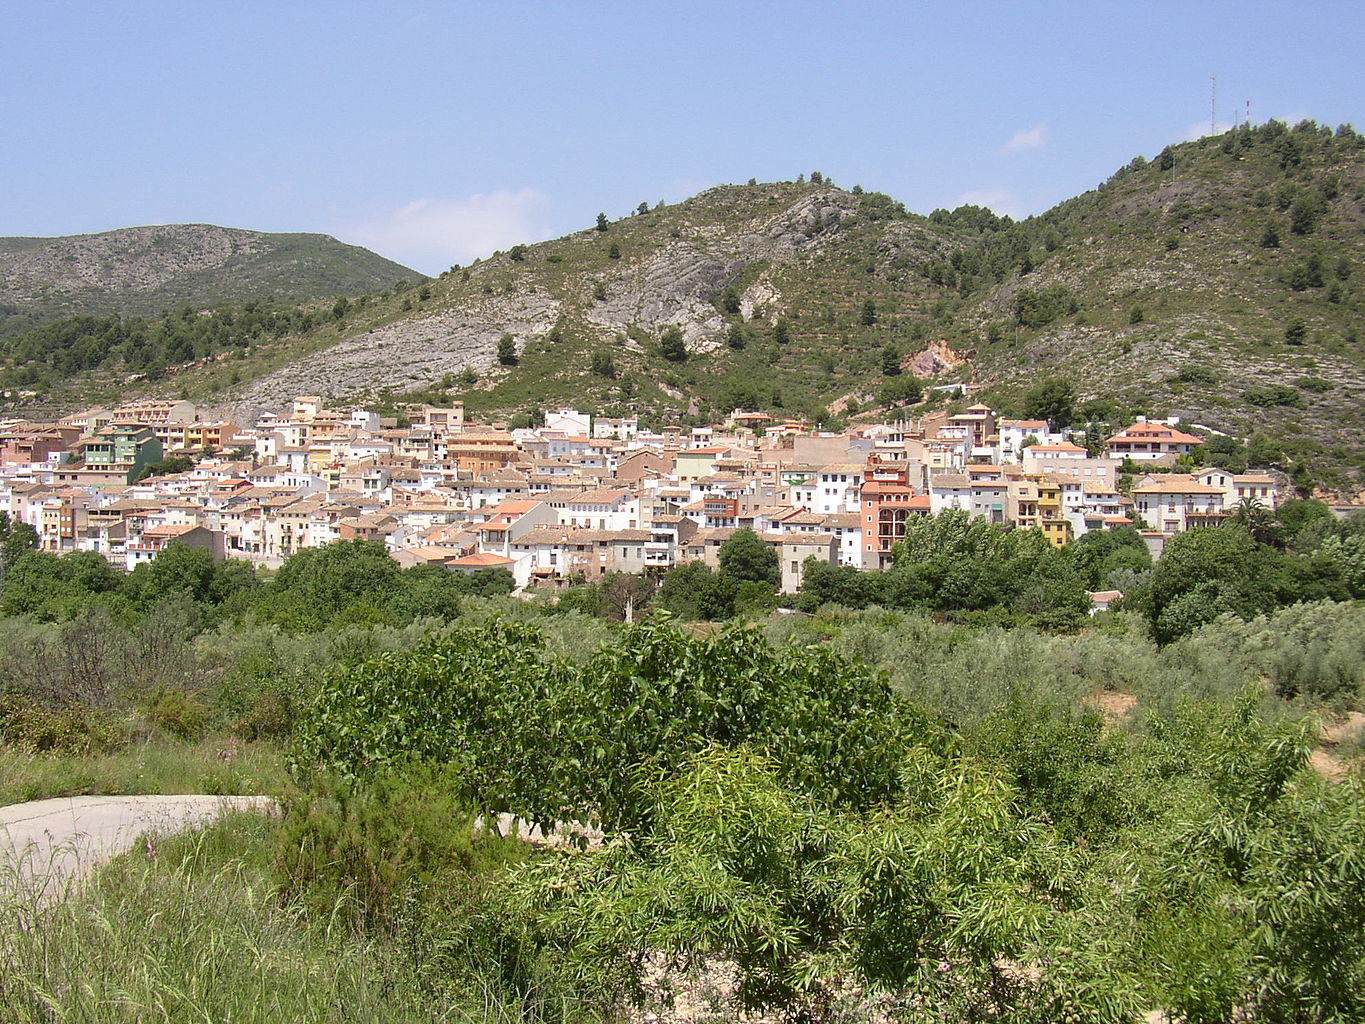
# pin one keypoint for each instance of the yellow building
(1050, 517)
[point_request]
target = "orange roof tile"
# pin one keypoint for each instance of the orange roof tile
(484, 559)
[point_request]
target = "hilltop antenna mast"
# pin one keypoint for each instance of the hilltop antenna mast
(1213, 104)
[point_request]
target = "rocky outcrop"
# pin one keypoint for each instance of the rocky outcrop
(410, 353)
(676, 285)
(131, 259)
(935, 358)
(678, 282)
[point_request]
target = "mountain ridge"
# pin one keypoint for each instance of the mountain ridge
(147, 269)
(1219, 281)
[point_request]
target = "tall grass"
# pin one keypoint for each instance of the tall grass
(219, 766)
(193, 930)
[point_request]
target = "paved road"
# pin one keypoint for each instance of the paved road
(57, 840)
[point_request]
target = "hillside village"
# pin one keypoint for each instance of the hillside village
(581, 497)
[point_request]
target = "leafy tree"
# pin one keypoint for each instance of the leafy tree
(737, 337)
(507, 350)
(692, 590)
(891, 360)
(671, 344)
(1268, 396)
(843, 585)
(549, 741)
(1052, 400)
(954, 562)
(1296, 331)
(17, 538)
(1270, 237)
(1195, 374)
(517, 253)
(599, 291)
(530, 419)
(1301, 518)
(1206, 572)
(177, 568)
(868, 316)
(51, 587)
(613, 251)
(340, 308)
(1347, 554)
(1099, 552)
(730, 301)
(602, 224)
(900, 391)
(781, 333)
(744, 556)
(348, 581)
(166, 467)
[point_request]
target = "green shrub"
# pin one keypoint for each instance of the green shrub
(270, 717)
(1268, 395)
(1318, 385)
(1196, 374)
(549, 741)
(75, 729)
(376, 848)
(178, 713)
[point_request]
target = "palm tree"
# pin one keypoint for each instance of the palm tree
(1252, 515)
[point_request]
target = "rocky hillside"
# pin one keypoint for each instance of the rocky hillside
(145, 270)
(734, 256)
(1221, 281)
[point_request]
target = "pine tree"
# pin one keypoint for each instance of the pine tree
(671, 345)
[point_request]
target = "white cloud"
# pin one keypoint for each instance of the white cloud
(999, 200)
(431, 234)
(1025, 138)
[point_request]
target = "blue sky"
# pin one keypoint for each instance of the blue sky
(437, 132)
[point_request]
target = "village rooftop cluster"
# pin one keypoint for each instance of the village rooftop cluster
(581, 496)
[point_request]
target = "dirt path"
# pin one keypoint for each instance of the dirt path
(54, 841)
(1324, 757)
